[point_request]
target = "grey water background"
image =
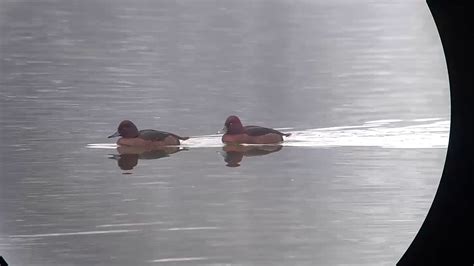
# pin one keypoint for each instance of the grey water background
(71, 70)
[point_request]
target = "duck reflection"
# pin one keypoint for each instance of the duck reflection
(233, 154)
(127, 157)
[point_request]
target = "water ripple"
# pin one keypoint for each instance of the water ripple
(180, 259)
(74, 233)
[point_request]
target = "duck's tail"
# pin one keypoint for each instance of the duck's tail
(286, 134)
(182, 138)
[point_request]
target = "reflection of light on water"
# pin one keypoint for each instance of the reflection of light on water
(189, 259)
(102, 146)
(75, 233)
(388, 133)
(206, 141)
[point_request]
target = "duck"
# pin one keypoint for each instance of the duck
(131, 136)
(236, 133)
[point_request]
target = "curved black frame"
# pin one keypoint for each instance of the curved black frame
(446, 234)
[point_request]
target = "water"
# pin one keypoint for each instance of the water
(361, 86)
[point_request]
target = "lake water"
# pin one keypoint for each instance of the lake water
(361, 85)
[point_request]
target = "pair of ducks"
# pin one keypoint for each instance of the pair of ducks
(234, 133)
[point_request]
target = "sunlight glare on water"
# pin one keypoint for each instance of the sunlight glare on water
(389, 133)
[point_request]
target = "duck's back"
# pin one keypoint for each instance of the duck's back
(154, 135)
(260, 131)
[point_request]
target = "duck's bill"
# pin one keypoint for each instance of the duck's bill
(222, 131)
(116, 134)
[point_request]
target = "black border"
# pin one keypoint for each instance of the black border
(446, 234)
(3, 262)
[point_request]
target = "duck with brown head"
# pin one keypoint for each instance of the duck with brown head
(131, 136)
(235, 132)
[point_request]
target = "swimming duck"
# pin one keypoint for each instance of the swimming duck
(235, 132)
(131, 136)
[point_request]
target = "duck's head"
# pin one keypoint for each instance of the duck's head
(126, 129)
(233, 125)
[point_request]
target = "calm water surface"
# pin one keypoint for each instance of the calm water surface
(362, 86)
